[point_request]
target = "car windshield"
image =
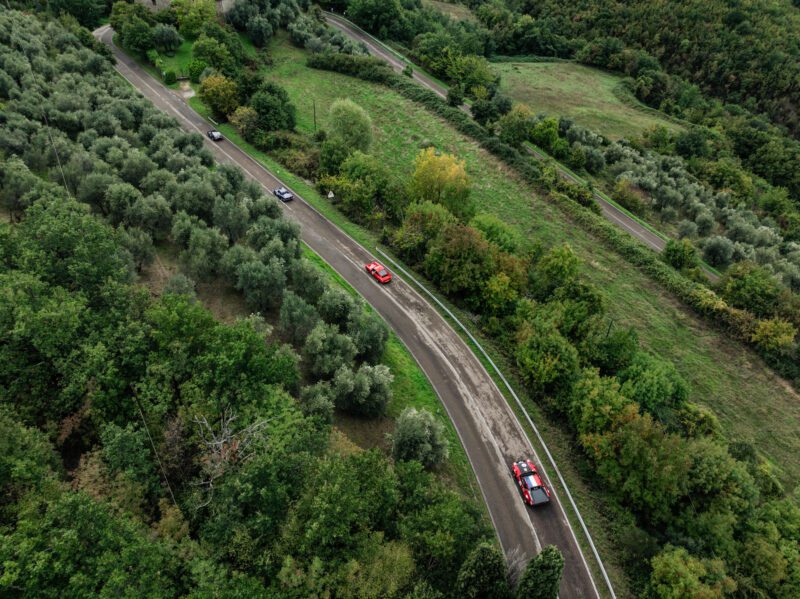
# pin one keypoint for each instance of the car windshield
(382, 273)
(529, 482)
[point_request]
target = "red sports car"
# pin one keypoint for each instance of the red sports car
(377, 270)
(534, 492)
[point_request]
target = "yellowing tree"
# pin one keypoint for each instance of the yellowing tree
(442, 178)
(220, 94)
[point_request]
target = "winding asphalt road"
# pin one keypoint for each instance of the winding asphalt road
(488, 428)
(610, 211)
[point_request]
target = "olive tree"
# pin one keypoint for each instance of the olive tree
(262, 283)
(297, 318)
(365, 392)
(326, 350)
(419, 436)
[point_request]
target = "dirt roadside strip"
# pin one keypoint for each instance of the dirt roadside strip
(610, 210)
(488, 428)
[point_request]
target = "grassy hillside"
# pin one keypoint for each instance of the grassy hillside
(579, 92)
(459, 12)
(724, 375)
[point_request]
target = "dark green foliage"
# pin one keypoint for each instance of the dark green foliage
(110, 371)
(333, 153)
(74, 546)
(166, 38)
(136, 35)
(718, 251)
(262, 283)
(455, 96)
(483, 575)
(542, 575)
(27, 464)
(273, 107)
(87, 12)
(751, 288)
(297, 318)
(336, 307)
(180, 284)
(680, 254)
(369, 334)
(307, 281)
(655, 385)
(317, 401)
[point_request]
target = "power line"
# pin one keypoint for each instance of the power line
(155, 451)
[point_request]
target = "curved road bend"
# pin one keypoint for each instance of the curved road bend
(488, 428)
(611, 212)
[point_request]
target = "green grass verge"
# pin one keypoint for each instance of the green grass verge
(584, 94)
(179, 62)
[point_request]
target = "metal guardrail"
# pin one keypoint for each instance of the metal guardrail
(518, 401)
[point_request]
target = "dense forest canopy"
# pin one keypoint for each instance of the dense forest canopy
(745, 52)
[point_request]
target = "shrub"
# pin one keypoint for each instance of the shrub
(542, 575)
(246, 121)
(680, 254)
(351, 124)
(195, 69)
(483, 575)
(455, 96)
(297, 318)
(317, 401)
(275, 110)
(220, 94)
(170, 77)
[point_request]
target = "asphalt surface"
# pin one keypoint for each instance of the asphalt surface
(488, 428)
(609, 210)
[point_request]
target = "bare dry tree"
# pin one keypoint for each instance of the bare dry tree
(225, 447)
(515, 562)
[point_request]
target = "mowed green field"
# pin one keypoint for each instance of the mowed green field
(579, 92)
(751, 402)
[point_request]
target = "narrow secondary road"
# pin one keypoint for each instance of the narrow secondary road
(489, 430)
(610, 211)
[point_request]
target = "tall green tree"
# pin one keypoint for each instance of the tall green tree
(542, 575)
(483, 575)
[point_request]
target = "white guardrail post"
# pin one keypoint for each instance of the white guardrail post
(561, 480)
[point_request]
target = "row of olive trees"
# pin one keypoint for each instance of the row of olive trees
(724, 229)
